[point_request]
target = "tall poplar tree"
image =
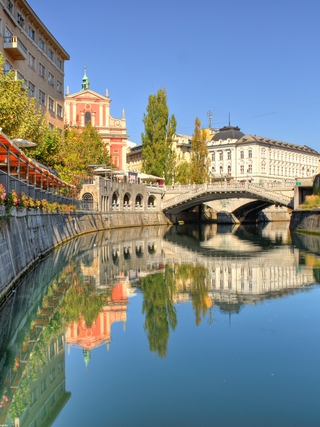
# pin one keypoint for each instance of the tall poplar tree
(158, 157)
(199, 155)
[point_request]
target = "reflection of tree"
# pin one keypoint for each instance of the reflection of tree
(195, 279)
(158, 290)
(82, 299)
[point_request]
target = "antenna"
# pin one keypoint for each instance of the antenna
(229, 120)
(209, 114)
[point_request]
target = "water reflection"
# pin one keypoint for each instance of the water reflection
(77, 294)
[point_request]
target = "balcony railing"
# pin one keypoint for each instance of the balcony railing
(15, 47)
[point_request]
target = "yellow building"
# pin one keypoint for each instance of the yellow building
(35, 56)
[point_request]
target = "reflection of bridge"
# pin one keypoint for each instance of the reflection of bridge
(186, 197)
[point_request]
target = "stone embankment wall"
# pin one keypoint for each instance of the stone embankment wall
(27, 237)
(308, 221)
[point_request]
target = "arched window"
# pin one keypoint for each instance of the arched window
(87, 200)
(87, 117)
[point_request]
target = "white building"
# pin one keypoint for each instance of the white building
(237, 156)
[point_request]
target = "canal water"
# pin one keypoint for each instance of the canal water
(181, 326)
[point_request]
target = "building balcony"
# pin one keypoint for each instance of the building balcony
(15, 48)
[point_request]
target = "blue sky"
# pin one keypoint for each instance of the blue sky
(255, 59)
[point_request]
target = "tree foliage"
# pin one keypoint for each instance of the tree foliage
(199, 155)
(158, 158)
(79, 149)
(158, 291)
(20, 117)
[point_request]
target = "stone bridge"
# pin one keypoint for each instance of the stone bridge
(247, 197)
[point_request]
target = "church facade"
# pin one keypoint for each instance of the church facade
(87, 105)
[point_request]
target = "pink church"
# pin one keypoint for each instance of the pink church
(87, 105)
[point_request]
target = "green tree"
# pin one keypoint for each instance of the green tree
(158, 291)
(20, 117)
(183, 173)
(158, 158)
(199, 155)
(79, 149)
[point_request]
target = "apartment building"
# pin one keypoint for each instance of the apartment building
(35, 56)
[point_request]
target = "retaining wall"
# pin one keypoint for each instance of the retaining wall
(308, 221)
(25, 237)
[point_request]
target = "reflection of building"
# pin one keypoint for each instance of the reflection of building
(87, 105)
(89, 337)
(35, 56)
(245, 274)
(48, 393)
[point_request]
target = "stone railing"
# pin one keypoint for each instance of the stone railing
(259, 190)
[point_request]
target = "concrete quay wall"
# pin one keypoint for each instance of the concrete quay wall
(27, 237)
(308, 221)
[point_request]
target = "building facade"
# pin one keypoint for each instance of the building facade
(234, 155)
(87, 105)
(36, 57)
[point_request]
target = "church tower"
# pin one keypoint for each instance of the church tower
(87, 105)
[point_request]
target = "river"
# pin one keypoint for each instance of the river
(182, 326)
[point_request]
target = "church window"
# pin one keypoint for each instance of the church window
(87, 117)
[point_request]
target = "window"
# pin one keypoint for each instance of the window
(32, 33)
(250, 154)
(213, 157)
(229, 154)
(0, 27)
(87, 117)
(229, 170)
(51, 126)
(20, 19)
(59, 111)
(42, 44)
(43, 385)
(42, 97)
(52, 350)
(249, 168)
(52, 375)
(242, 154)
(59, 63)
(42, 70)
(7, 36)
(263, 153)
(241, 169)
(32, 61)
(51, 104)
(51, 54)
(60, 342)
(59, 86)
(220, 155)
(50, 79)
(33, 396)
(10, 6)
(7, 67)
